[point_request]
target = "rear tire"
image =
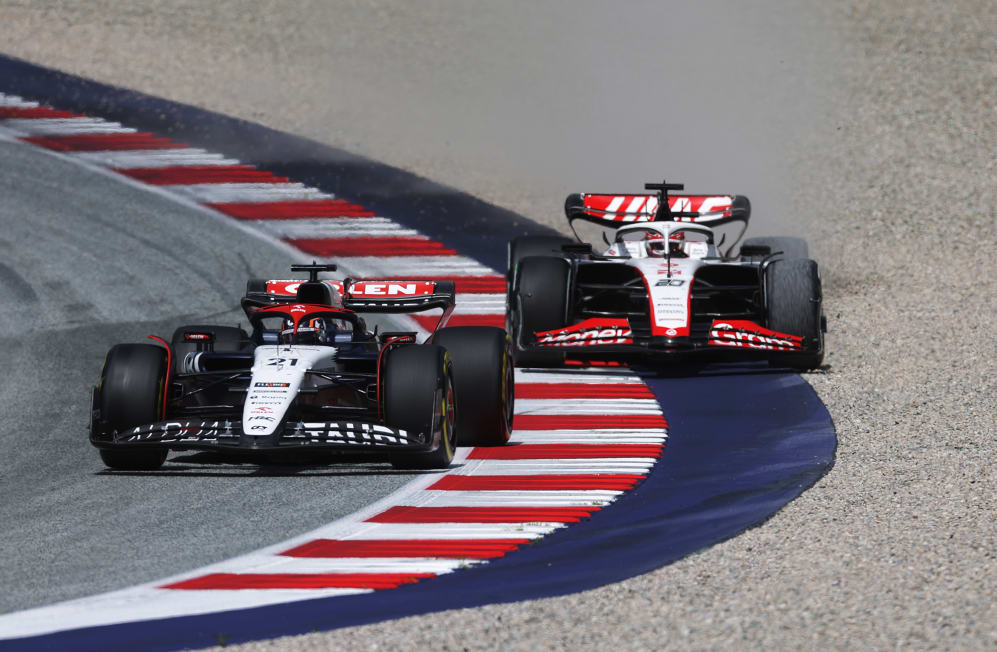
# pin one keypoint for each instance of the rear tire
(419, 398)
(759, 248)
(793, 302)
(131, 394)
(484, 380)
(539, 303)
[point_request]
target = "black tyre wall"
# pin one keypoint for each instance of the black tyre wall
(539, 303)
(793, 305)
(131, 394)
(484, 382)
(414, 376)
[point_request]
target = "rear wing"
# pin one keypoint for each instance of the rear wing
(614, 210)
(393, 296)
(367, 296)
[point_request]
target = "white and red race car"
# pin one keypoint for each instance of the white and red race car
(310, 376)
(663, 288)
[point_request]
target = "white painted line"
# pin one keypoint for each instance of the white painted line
(483, 531)
(607, 407)
(553, 467)
(64, 126)
(152, 158)
(535, 498)
(334, 227)
(281, 564)
(224, 193)
(16, 101)
(580, 376)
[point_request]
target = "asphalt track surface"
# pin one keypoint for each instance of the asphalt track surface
(894, 155)
(71, 239)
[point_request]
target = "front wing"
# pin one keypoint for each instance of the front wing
(613, 339)
(206, 433)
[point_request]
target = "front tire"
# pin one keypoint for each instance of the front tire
(539, 303)
(132, 386)
(793, 303)
(419, 398)
(485, 382)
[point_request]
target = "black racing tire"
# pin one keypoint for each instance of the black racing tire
(759, 248)
(226, 339)
(793, 304)
(531, 245)
(131, 394)
(419, 398)
(539, 303)
(484, 382)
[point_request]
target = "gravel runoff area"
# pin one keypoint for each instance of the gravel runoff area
(896, 546)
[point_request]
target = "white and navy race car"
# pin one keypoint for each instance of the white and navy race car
(310, 376)
(664, 288)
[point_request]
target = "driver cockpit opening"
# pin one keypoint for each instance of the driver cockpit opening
(664, 240)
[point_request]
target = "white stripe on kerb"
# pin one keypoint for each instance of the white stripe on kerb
(600, 406)
(334, 227)
(16, 101)
(580, 376)
(306, 565)
(483, 531)
(558, 437)
(223, 193)
(558, 466)
(153, 158)
(65, 126)
(508, 498)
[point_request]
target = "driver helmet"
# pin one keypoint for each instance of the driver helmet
(656, 244)
(315, 332)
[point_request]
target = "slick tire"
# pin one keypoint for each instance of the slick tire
(539, 303)
(131, 394)
(531, 245)
(419, 397)
(793, 304)
(484, 382)
(759, 248)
